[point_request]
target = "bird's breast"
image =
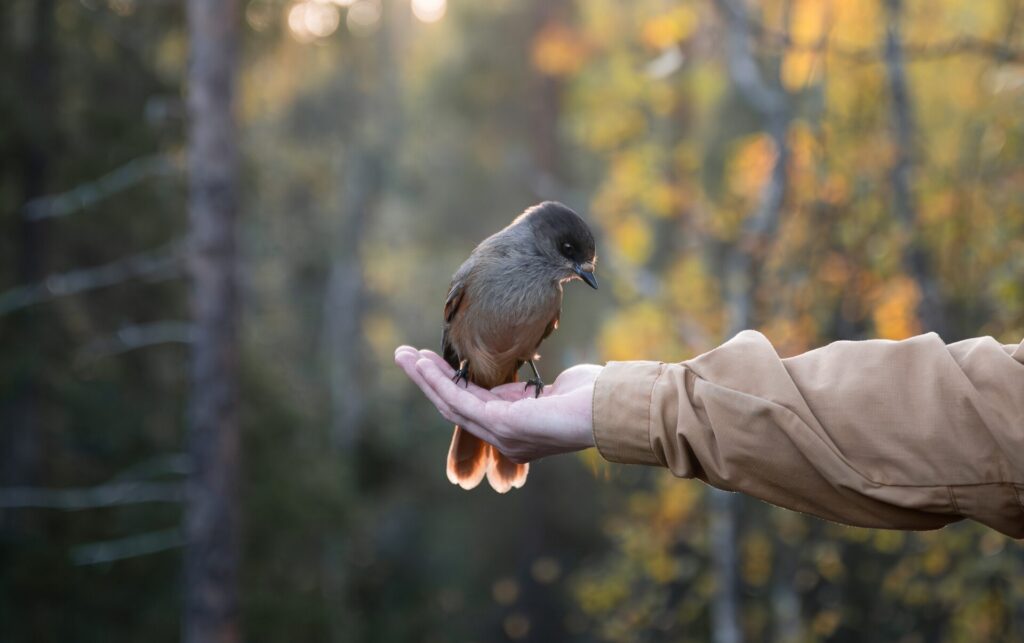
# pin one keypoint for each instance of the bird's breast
(503, 324)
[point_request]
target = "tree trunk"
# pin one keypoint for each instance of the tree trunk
(344, 302)
(743, 261)
(725, 606)
(20, 450)
(211, 556)
(916, 260)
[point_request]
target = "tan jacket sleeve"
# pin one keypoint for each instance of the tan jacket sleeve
(913, 434)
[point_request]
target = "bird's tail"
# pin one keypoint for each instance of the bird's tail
(470, 459)
(503, 474)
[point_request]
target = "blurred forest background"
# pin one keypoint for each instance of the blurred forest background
(816, 169)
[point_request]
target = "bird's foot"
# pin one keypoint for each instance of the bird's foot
(537, 384)
(462, 374)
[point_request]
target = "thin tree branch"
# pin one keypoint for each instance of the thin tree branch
(82, 196)
(743, 69)
(133, 546)
(162, 465)
(106, 495)
(961, 44)
(158, 264)
(923, 51)
(127, 487)
(136, 336)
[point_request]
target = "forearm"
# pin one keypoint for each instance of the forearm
(909, 435)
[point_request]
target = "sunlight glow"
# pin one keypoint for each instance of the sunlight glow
(429, 10)
(309, 21)
(363, 17)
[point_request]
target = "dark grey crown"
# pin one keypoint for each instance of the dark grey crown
(567, 232)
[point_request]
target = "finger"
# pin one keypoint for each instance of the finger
(466, 402)
(403, 350)
(479, 431)
(445, 367)
(407, 360)
(437, 359)
(432, 379)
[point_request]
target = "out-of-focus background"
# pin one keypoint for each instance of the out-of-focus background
(816, 169)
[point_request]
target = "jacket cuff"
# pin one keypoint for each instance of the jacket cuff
(622, 412)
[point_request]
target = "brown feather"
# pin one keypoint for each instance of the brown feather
(503, 474)
(468, 459)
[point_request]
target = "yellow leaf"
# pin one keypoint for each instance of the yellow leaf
(895, 316)
(857, 22)
(558, 50)
(799, 69)
(757, 559)
(633, 239)
(643, 331)
(751, 165)
(669, 28)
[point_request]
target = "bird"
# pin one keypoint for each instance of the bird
(503, 301)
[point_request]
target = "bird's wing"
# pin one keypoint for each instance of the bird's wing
(550, 328)
(451, 303)
(552, 325)
(451, 306)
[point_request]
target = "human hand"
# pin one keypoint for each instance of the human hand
(521, 426)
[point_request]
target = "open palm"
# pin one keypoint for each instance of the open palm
(521, 426)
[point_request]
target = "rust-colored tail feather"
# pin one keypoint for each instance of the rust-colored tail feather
(502, 473)
(468, 459)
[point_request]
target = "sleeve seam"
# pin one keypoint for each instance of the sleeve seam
(952, 499)
(650, 414)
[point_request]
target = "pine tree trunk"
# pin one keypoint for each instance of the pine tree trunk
(211, 557)
(20, 441)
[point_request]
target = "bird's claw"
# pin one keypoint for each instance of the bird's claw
(537, 384)
(462, 374)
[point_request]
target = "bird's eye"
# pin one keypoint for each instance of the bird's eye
(567, 247)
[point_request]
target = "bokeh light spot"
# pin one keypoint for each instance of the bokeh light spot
(545, 570)
(309, 21)
(517, 625)
(505, 591)
(429, 10)
(363, 17)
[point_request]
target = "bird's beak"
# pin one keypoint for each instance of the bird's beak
(586, 273)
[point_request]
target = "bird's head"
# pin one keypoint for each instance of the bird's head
(564, 240)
